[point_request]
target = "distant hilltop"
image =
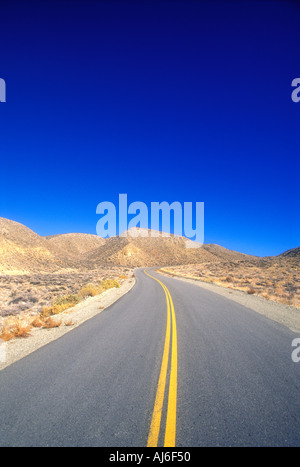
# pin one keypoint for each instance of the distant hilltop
(22, 251)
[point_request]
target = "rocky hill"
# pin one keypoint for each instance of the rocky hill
(293, 253)
(74, 244)
(22, 251)
(157, 251)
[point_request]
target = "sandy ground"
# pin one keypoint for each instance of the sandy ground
(286, 315)
(16, 349)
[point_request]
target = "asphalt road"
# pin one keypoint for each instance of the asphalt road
(229, 380)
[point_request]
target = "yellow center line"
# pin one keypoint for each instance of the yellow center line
(170, 431)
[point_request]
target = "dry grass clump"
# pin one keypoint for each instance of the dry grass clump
(37, 322)
(6, 335)
(15, 327)
(109, 284)
(68, 300)
(69, 323)
(122, 277)
(18, 327)
(61, 304)
(21, 330)
(90, 290)
(51, 323)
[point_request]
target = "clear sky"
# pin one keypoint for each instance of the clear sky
(162, 100)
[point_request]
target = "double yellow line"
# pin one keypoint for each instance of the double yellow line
(170, 430)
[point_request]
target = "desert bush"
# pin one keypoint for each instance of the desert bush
(6, 335)
(25, 299)
(122, 277)
(46, 311)
(45, 322)
(69, 323)
(57, 309)
(16, 300)
(89, 290)
(37, 322)
(18, 328)
(60, 304)
(50, 322)
(109, 284)
(228, 279)
(70, 300)
(21, 329)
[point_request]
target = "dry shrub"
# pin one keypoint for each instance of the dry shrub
(16, 328)
(68, 300)
(46, 312)
(89, 290)
(57, 309)
(45, 322)
(109, 284)
(61, 304)
(21, 329)
(227, 279)
(69, 323)
(37, 323)
(6, 335)
(50, 322)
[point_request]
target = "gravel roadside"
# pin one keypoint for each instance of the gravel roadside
(286, 315)
(16, 349)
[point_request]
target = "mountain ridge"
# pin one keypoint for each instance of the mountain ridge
(23, 251)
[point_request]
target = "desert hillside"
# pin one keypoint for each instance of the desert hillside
(289, 254)
(22, 251)
(34, 270)
(275, 277)
(74, 244)
(157, 251)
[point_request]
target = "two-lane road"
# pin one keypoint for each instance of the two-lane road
(168, 362)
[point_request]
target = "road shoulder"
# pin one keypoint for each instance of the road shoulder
(17, 349)
(286, 315)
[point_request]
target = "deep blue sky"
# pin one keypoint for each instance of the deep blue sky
(163, 100)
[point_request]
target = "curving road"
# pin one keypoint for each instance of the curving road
(169, 363)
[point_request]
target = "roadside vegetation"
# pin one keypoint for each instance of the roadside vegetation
(89, 290)
(275, 279)
(21, 325)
